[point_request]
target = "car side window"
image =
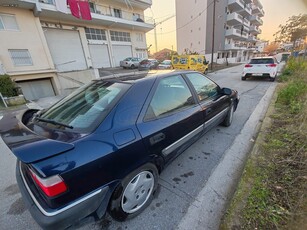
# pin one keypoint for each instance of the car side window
(171, 95)
(204, 87)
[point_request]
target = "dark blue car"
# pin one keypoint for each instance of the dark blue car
(103, 147)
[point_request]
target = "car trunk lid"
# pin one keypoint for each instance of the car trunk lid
(27, 145)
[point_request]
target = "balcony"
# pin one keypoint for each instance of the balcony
(255, 29)
(252, 39)
(246, 22)
(236, 34)
(256, 20)
(234, 19)
(236, 46)
(257, 10)
(138, 4)
(235, 5)
(103, 15)
(246, 11)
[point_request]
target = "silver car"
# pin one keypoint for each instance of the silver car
(130, 62)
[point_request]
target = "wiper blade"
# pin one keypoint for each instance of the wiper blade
(54, 122)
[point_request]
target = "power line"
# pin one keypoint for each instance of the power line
(199, 14)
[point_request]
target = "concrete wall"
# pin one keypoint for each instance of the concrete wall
(70, 81)
(192, 36)
(219, 33)
(29, 36)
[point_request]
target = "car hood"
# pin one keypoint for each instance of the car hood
(26, 144)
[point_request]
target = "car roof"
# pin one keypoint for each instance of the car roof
(265, 57)
(152, 74)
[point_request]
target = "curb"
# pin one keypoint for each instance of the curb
(210, 204)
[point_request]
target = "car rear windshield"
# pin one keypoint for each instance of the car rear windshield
(262, 61)
(86, 108)
(144, 62)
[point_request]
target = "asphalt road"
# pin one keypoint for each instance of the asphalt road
(179, 184)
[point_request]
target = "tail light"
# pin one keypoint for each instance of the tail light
(271, 65)
(51, 186)
(248, 65)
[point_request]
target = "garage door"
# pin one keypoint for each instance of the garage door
(120, 52)
(66, 49)
(100, 56)
(33, 90)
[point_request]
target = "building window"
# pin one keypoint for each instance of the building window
(95, 34)
(139, 37)
(8, 22)
(21, 57)
(117, 13)
(120, 36)
(92, 7)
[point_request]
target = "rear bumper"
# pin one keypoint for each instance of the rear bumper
(263, 75)
(66, 216)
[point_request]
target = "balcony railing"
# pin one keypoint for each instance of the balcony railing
(256, 19)
(107, 10)
(236, 46)
(236, 33)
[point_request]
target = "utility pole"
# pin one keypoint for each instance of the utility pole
(213, 30)
(155, 32)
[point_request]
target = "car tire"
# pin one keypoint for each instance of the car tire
(243, 78)
(132, 66)
(272, 78)
(139, 186)
(228, 119)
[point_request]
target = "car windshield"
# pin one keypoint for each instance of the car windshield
(128, 59)
(262, 61)
(85, 109)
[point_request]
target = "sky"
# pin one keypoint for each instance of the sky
(276, 12)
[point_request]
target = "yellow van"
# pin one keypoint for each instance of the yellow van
(190, 62)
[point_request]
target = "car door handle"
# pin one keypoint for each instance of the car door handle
(208, 111)
(157, 138)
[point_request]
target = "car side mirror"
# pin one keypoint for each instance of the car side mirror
(226, 91)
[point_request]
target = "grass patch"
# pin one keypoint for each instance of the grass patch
(272, 190)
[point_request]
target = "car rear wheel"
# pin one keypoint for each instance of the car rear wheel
(228, 119)
(243, 78)
(272, 78)
(134, 193)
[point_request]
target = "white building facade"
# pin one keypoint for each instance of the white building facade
(42, 47)
(237, 26)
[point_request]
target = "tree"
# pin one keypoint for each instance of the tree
(272, 48)
(294, 29)
(7, 86)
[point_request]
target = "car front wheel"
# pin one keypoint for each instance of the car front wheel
(228, 119)
(134, 193)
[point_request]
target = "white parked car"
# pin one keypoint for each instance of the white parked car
(264, 67)
(130, 62)
(166, 64)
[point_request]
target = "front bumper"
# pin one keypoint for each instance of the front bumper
(66, 216)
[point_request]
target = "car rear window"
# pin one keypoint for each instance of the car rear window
(144, 62)
(86, 108)
(262, 61)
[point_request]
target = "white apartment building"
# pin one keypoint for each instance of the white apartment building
(237, 25)
(42, 48)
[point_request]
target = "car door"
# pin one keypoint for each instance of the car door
(214, 104)
(172, 119)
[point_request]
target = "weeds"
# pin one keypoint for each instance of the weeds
(272, 191)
